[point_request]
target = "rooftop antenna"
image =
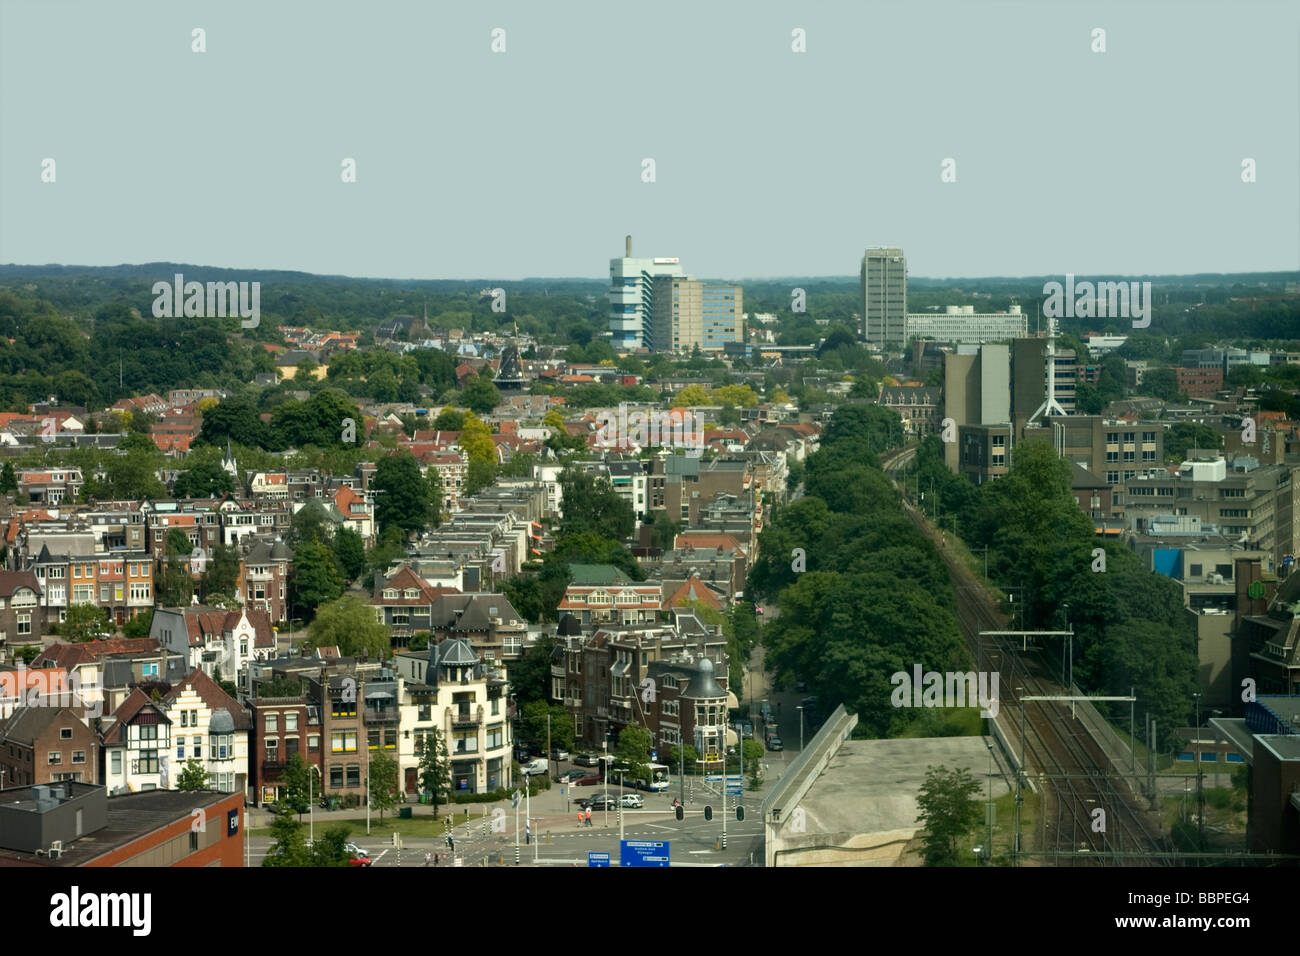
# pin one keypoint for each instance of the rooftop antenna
(628, 242)
(1050, 405)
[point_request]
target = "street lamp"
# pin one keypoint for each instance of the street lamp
(988, 845)
(1200, 790)
(311, 802)
(800, 709)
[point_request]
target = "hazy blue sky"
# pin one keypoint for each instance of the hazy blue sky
(769, 163)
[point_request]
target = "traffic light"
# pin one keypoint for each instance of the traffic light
(680, 811)
(708, 813)
(740, 813)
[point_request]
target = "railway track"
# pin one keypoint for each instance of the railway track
(1072, 772)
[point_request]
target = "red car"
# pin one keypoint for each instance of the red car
(589, 781)
(360, 861)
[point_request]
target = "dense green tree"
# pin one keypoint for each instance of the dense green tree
(530, 677)
(1183, 436)
(235, 419)
(532, 729)
(84, 622)
(405, 499)
(449, 420)
(633, 753)
(204, 480)
(312, 522)
(175, 585)
(178, 542)
(350, 623)
(221, 575)
(297, 787)
(8, 478)
(314, 579)
(288, 844)
(385, 785)
(949, 811)
(480, 395)
(591, 505)
(192, 776)
(349, 551)
(435, 768)
(140, 625)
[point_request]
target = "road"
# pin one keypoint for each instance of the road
(560, 841)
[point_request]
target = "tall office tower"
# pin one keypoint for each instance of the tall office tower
(631, 298)
(689, 313)
(884, 297)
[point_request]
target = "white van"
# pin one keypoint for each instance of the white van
(533, 767)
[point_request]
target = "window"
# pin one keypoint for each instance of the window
(290, 723)
(197, 742)
(65, 733)
(336, 777)
(495, 737)
(343, 741)
(115, 763)
(24, 623)
(272, 723)
(313, 743)
(180, 748)
(354, 775)
(56, 756)
(422, 713)
(1194, 570)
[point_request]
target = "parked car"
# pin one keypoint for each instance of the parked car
(587, 760)
(747, 727)
(571, 775)
(559, 753)
(774, 743)
(589, 781)
(633, 800)
(354, 849)
(534, 767)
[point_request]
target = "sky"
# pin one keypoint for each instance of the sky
(767, 162)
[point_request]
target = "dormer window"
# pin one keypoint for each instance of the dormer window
(390, 594)
(412, 593)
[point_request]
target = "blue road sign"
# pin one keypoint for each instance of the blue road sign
(734, 791)
(643, 853)
(654, 755)
(1288, 560)
(598, 859)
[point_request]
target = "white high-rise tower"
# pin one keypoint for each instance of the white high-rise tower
(631, 298)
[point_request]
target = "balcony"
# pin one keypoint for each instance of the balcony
(467, 718)
(387, 715)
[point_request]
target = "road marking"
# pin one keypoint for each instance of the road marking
(381, 855)
(660, 826)
(696, 852)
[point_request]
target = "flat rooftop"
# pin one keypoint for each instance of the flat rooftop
(871, 786)
(130, 817)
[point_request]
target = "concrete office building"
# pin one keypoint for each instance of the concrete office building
(688, 313)
(1251, 504)
(884, 297)
(962, 325)
(631, 297)
(976, 396)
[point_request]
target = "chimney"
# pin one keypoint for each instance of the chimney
(629, 247)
